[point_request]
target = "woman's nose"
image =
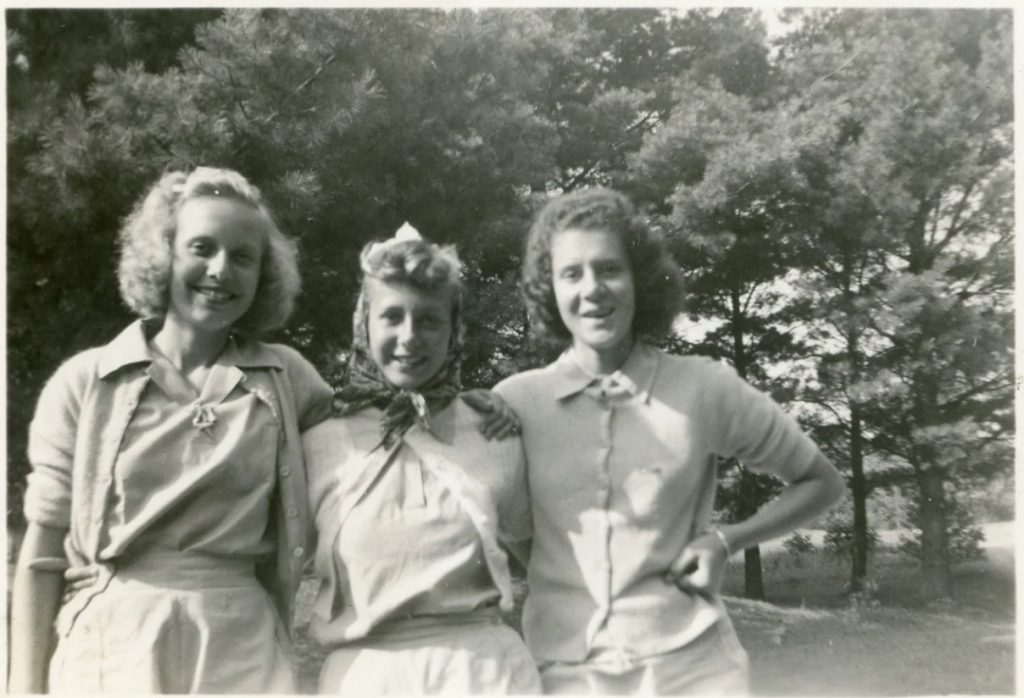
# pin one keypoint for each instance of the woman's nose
(407, 334)
(217, 266)
(591, 286)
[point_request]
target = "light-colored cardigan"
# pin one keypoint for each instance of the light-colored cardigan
(76, 434)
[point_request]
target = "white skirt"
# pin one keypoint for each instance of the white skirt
(176, 624)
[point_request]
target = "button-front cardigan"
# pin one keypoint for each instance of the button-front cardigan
(76, 435)
(622, 474)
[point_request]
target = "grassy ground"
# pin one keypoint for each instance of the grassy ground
(815, 640)
(812, 639)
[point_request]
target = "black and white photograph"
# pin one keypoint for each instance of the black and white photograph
(504, 348)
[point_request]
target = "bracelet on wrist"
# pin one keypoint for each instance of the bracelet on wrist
(725, 541)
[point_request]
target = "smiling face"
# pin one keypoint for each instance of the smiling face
(594, 291)
(410, 330)
(215, 269)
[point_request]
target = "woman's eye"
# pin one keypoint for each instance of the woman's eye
(570, 274)
(244, 257)
(201, 248)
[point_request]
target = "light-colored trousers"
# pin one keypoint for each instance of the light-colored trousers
(715, 664)
(175, 624)
(471, 654)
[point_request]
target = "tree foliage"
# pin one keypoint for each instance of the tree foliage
(912, 312)
(840, 197)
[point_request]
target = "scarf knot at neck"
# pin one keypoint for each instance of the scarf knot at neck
(400, 408)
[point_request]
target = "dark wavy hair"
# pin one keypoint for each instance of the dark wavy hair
(656, 277)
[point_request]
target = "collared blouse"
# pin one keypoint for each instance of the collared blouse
(238, 459)
(622, 474)
(415, 529)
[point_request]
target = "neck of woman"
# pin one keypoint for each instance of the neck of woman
(187, 346)
(602, 362)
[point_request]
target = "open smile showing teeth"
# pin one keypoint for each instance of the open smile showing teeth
(599, 314)
(408, 361)
(215, 294)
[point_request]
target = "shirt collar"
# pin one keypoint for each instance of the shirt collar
(249, 353)
(131, 347)
(636, 375)
(126, 349)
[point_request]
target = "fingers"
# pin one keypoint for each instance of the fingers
(694, 571)
(684, 564)
(79, 574)
(686, 585)
(499, 421)
(501, 425)
(498, 433)
(76, 579)
(479, 400)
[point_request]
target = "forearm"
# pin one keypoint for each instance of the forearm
(35, 600)
(799, 503)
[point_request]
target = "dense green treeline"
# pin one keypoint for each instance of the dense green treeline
(840, 197)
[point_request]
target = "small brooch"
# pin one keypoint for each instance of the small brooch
(204, 417)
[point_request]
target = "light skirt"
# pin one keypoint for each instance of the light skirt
(424, 656)
(176, 627)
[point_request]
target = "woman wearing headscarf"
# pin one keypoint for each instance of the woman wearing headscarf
(413, 507)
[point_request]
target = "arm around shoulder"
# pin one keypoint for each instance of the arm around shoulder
(312, 393)
(326, 448)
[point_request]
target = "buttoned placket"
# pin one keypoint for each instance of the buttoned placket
(603, 498)
(288, 490)
(609, 392)
(265, 396)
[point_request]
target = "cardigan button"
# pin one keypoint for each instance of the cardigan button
(293, 512)
(298, 552)
(286, 471)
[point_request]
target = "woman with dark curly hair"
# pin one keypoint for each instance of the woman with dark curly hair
(622, 442)
(167, 465)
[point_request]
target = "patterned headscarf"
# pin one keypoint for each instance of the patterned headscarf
(365, 384)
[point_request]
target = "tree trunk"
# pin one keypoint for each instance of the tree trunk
(935, 566)
(859, 490)
(858, 483)
(753, 580)
(938, 580)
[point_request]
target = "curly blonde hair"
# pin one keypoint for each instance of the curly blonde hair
(421, 264)
(147, 237)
